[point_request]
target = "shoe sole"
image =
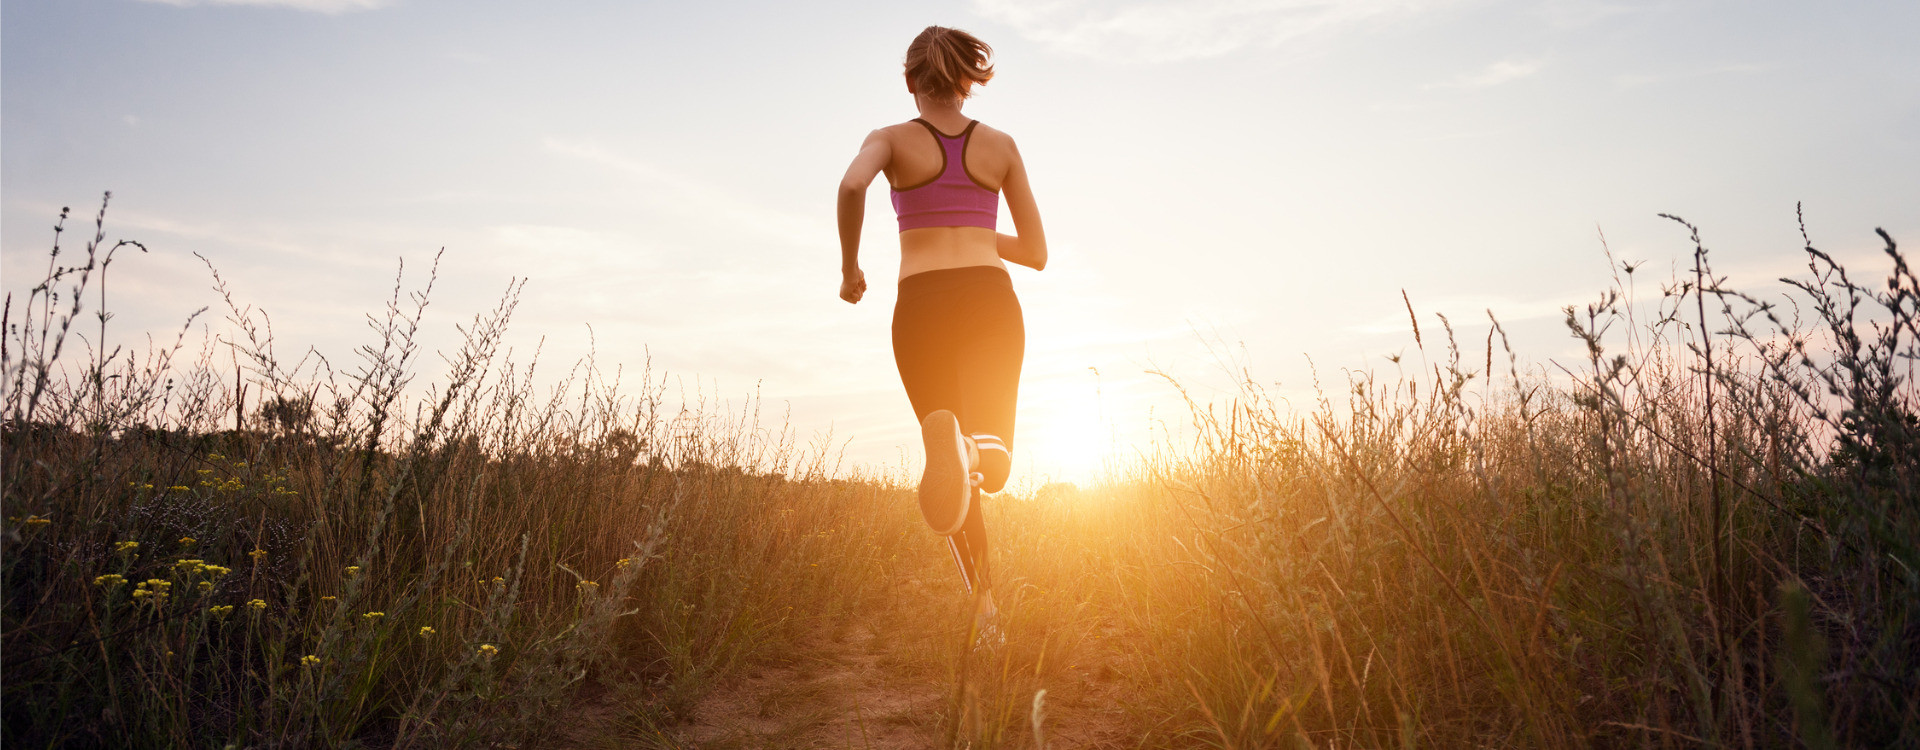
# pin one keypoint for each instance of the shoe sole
(944, 489)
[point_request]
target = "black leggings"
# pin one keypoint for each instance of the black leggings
(958, 339)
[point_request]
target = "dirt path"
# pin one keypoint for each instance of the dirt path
(896, 682)
(835, 692)
(853, 689)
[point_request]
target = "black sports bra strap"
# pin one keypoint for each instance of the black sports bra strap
(936, 131)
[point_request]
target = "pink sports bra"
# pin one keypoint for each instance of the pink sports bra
(952, 198)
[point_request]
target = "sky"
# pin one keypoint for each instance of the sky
(1227, 185)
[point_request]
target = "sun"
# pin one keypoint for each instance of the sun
(1064, 433)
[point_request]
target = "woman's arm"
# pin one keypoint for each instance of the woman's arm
(873, 157)
(1028, 247)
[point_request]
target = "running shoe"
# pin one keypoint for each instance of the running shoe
(946, 486)
(987, 632)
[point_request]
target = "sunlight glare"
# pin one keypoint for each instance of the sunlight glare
(1064, 431)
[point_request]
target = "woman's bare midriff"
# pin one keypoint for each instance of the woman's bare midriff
(938, 248)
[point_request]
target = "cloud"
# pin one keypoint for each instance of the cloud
(1167, 30)
(314, 6)
(1498, 73)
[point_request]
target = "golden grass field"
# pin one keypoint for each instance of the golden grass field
(1703, 536)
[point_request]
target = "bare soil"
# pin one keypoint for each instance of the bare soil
(851, 692)
(849, 687)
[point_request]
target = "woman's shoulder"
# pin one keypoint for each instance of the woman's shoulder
(988, 135)
(896, 133)
(908, 127)
(893, 134)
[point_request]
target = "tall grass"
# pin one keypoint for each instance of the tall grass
(1702, 535)
(222, 547)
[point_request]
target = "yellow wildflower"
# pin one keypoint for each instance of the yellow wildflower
(326, 598)
(125, 546)
(622, 563)
(257, 554)
(426, 630)
(258, 604)
(37, 520)
(216, 570)
(374, 615)
(110, 580)
(586, 585)
(154, 590)
(189, 565)
(488, 650)
(179, 488)
(205, 586)
(187, 541)
(221, 611)
(309, 661)
(353, 570)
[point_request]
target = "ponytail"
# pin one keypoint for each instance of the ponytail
(942, 62)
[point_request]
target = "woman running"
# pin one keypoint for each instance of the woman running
(958, 337)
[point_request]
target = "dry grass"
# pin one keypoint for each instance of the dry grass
(1693, 539)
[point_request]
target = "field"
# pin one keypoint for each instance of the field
(1704, 536)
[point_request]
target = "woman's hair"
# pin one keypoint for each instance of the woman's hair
(941, 60)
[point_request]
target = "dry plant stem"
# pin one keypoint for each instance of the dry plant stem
(1718, 508)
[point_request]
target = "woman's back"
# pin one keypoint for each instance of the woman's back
(919, 159)
(918, 156)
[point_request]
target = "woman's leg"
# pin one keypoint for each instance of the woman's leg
(923, 350)
(991, 356)
(927, 323)
(989, 381)
(970, 549)
(958, 340)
